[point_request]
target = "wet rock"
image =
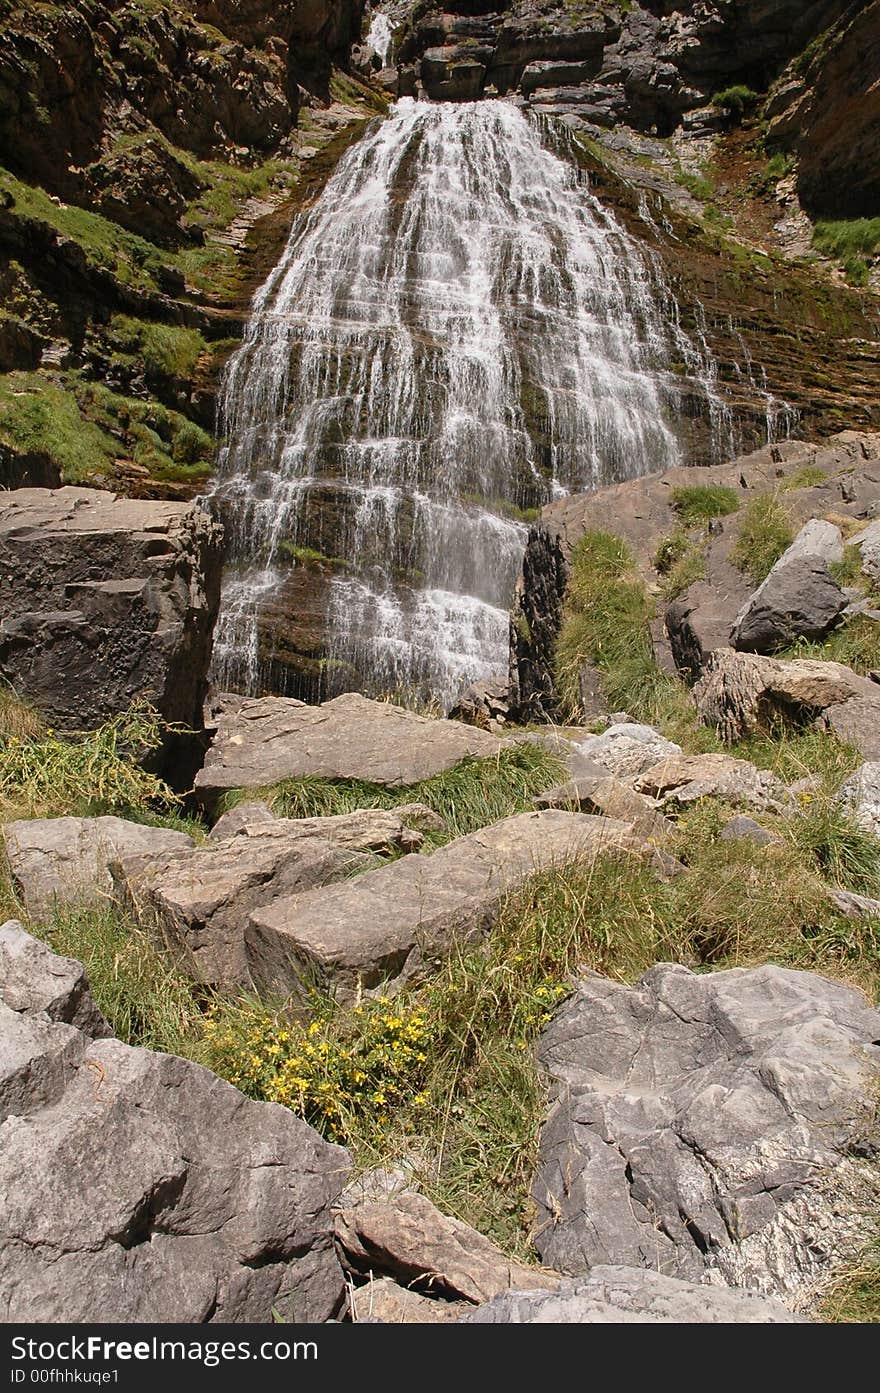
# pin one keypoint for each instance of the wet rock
(688, 778)
(202, 899)
(708, 1126)
(62, 860)
(260, 741)
(105, 600)
(799, 598)
(628, 749)
(621, 1295)
(411, 1241)
(140, 1188)
(387, 923)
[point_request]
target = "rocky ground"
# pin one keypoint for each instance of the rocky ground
(563, 1022)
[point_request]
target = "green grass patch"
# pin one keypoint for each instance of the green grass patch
(856, 644)
(853, 242)
(471, 795)
(700, 503)
(36, 416)
(167, 350)
(809, 476)
(697, 185)
(738, 99)
(681, 562)
(765, 533)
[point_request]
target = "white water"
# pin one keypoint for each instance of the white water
(380, 35)
(457, 330)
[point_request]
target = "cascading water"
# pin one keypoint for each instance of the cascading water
(380, 36)
(458, 331)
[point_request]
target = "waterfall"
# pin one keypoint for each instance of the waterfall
(457, 332)
(380, 36)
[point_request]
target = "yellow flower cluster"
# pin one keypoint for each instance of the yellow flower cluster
(324, 1075)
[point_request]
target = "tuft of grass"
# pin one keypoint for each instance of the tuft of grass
(697, 185)
(765, 533)
(700, 503)
(738, 99)
(807, 477)
(845, 855)
(471, 795)
(853, 242)
(856, 644)
(849, 570)
(18, 719)
(853, 1298)
(167, 350)
(681, 562)
(44, 774)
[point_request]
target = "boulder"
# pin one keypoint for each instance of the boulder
(868, 543)
(382, 926)
(105, 600)
(854, 906)
(799, 598)
(201, 899)
(708, 1126)
(623, 1295)
(861, 794)
(746, 829)
(627, 749)
(410, 1240)
(609, 797)
(62, 860)
(698, 622)
(691, 777)
(260, 741)
(386, 1301)
(38, 981)
(239, 818)
(741, 693)
(140, 1188)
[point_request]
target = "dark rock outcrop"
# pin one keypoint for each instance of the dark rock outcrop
(104, 601)
(140, 1188)
(703, 1124)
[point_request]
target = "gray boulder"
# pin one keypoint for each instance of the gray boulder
(36, 980)
(140, 1188)
(868, 543)
(105, 600)
(385, 924)
(861, 794)
(627, 749)
(689, 778)
(626, 1295)
(242, 816)
(261, 741)
(708, 1126)
(799, 597)
(201, 899)
(746, 829)
(62, 860)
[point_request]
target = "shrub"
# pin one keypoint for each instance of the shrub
(765, 533)
(737, 99)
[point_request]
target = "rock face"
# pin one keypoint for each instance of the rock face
(388, 922)
(623, 1295)
(262, 741)
(140, 1187)
(201, 899)
(703, 1124)
(741, 693)
(105, 600)
(861, 793)
(410, 1240)
(799, 598)
(59, 860)
(841, 477)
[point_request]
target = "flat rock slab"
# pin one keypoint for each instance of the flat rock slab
(627, 1295)
(60, 860)
(689, 778)
(105, 600)
(704, 1124)
(409, 1239)
(610, 797)
(261, 741)
(383, 924)
(200, 899)
(138, 1187)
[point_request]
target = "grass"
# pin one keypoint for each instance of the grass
(856, 644)
(36, 417)
(738, 99)
(697, 185)
(45, 774)
(853, 242)
(473, 794)
(853, 1298)
(700, 503)
(765, 533)
(807, 477)
(681, 562)
(167, 350)
(18, 719)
